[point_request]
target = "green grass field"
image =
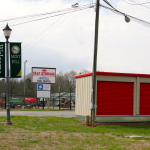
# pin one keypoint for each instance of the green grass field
(42, 133)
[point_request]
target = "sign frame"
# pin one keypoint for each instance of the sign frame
(43, 74)
(43, 93)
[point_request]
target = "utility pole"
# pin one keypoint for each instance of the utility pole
(95, 61)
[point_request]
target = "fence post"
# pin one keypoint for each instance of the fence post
(59, 97)
(48, 103)
(43, 103)
(53, 102)
(70, 98)
(5, 101)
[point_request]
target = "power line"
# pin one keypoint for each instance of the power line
(49, 17)
(114, 4)
(23, 18)
(71, 10)
(40, 23)
(34, 13)
(37, 15)
(136, 4)
(43, 32)
(49, 32)
(145, 23)
(42, 5)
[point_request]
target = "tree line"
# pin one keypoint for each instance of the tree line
(64, 81)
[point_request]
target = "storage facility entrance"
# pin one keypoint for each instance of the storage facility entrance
(114, 98)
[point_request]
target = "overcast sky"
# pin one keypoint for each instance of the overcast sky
(67, 42)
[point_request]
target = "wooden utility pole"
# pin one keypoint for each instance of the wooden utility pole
(95, 61)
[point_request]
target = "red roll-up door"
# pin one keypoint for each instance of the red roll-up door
(144, 98)
(114, 98)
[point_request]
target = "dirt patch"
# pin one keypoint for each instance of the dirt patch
(141, 145)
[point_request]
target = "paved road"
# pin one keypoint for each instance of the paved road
(67, 113)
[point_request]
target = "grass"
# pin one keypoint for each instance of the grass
(68, 133)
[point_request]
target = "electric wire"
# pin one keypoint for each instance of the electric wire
(34, 13)
(145, 23)
(78, 9)
(39, 24)
(136, 4)
(116, 12)
(42, 14)
(43, 32)
(37, 15)
(50, 31)
(41, 6)
(26, 15)
(114, 4)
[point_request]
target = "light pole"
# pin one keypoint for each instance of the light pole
(24, 75)
(7, 32)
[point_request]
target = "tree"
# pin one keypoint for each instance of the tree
(84, 71)
(65, 81)
(30, 88)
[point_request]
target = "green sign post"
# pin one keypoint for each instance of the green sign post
(15, 60)
(2, 59)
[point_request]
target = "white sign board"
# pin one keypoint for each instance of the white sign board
(43, 87)
(43, 75)
(43, 94)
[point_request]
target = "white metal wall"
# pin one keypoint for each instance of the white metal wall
(83, 96)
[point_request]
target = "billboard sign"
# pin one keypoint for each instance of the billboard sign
(44, 87)
(29, 100)
(2, 59)
(15, 60)
(43, 75)
(16, 99)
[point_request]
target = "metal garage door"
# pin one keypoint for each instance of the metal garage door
(114, 98)
(144, 98)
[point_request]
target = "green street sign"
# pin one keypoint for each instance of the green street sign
(2, 59)
(15, 60)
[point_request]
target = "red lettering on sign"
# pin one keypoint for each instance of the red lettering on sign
(44, 73)
(44, 70)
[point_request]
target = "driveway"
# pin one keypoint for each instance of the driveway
(66, 113)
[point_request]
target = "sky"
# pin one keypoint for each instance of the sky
(66, 42)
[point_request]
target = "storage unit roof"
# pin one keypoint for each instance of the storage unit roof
(112, 74)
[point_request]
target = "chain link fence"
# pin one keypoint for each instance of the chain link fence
(63, 100)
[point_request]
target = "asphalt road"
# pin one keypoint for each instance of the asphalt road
(66, 113)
